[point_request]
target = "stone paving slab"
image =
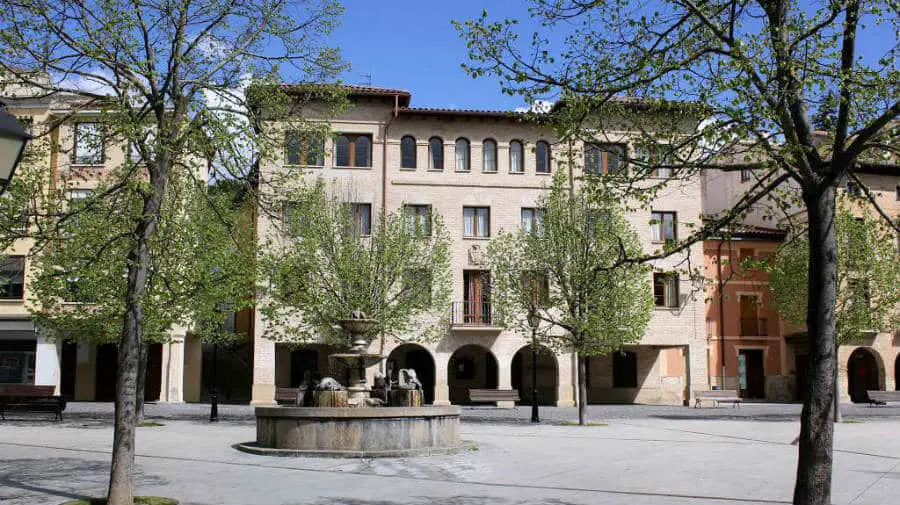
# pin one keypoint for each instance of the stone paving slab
(642, 459)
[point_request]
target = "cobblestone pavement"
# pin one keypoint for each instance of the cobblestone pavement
(641, 455)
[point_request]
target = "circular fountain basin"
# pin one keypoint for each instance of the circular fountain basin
(355, 432)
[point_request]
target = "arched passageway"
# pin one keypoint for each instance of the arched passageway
(471, 367)
(862, 375)
(419, 359)
(547, 375)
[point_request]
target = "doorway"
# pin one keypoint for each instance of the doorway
(105, 376)
(477, 296)
(751, 373)
(801, 369)
(67, 370)
(862, 375)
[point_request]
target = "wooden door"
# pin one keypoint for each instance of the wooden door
(153, 373)
(476, 291)
(801, 369)
(753, 378)
(105, 376)
(67, 372)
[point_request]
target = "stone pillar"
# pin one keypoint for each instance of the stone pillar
(47, 362)
(504, 381)
(193, 369)
(441, 388)
(565, 387)
(263, 388)
(173, 370)
(85, 373)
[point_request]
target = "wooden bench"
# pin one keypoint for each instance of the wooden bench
(493, 395)
(293, 396)
(883, 397)
(32, 398)
(717, 396)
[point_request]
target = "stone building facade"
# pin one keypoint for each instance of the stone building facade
(500, 173)
(80, 371)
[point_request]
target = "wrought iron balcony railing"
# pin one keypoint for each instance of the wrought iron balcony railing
(471, 314)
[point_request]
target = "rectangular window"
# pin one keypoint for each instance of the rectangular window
(304, 149)
(532, 219)
(625, 369)
(746, 254)
(290, 218)
(417, 285)
(17, 361)
(663, 227)
(418, 219)
(604, 159)
(745, 174)
(12, 278)
(89, 147)
(77, 199)
(476, 222)
(537, 285)
(658, 160)
(665, 289)
(362, 219)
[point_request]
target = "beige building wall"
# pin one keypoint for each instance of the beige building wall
(673, 351)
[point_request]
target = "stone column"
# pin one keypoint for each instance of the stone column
(441, 388)
(565, 387)
(47, 362)
(263, 389)
(504, 381)
(173, 370)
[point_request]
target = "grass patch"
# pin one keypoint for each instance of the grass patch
(589, 423)
(472, 448)
(150, 424)
(138, 500)
(852, 421)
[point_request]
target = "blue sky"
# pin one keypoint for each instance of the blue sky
(411, 45)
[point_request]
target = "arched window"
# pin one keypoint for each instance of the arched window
(462, 155)
(516, 165)
(435, 153)
(542, 158)
(489, 155)
(624, 369)
(408, 152)
(363, 152)
(342, 151)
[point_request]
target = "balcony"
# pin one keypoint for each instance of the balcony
(754, 327)
(472, 315)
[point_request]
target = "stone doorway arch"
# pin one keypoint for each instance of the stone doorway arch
(419, 359)
(471, 367)
(862, 374)
(547, 375)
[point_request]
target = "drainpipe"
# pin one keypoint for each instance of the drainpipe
(721, 311)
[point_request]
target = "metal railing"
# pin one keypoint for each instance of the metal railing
(754, 327)
(471, 313)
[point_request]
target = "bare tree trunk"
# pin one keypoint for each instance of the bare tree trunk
(121, 475)
(813, 486)
(582, 388)
(141, 383)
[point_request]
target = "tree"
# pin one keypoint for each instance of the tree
(331, 258)
(757, 70)
(567, 271)
(868, 278)
(205, 258)
(167, 78)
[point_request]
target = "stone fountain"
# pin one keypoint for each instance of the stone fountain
(350, 422)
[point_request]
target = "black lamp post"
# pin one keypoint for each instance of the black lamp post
(13, 138)
(214, 390)
(533, 322)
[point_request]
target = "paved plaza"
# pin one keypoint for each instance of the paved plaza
(642, 455)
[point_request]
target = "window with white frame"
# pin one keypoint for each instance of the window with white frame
(516, 155)
(462, 155)
(476, 222)
(88, 148)
(489, 155)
